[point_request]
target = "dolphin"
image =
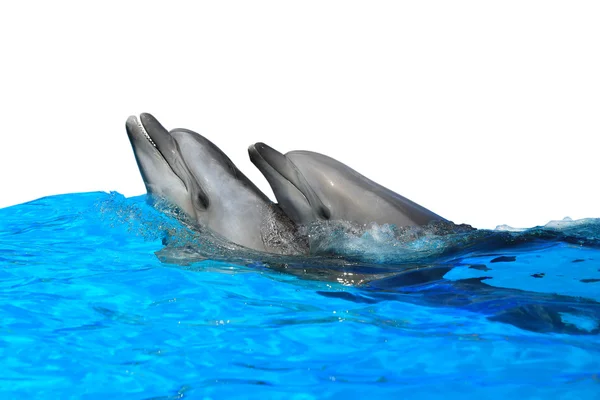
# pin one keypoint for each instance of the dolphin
(311, 186)
(189, 172)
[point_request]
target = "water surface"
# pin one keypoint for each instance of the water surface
(103, 296)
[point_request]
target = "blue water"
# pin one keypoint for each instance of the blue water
(104, 296)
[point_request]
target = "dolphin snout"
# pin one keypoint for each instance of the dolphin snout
(256, 149)
(260, 152)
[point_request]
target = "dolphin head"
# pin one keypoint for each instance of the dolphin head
(310, 186)
(190, 172)
(224, 192)
(296, 196)
(153, 148)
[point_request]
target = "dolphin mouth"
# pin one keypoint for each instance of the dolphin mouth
(264, 156)
(142, 129)
(148, 136)
(269, 160)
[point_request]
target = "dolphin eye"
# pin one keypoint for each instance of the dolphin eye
(201, 200)
(324, 213)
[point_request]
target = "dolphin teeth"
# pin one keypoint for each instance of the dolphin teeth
(145, 133)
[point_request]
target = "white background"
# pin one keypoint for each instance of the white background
(487, 113)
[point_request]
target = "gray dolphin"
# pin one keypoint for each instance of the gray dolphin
(311, 186)
(191, 173)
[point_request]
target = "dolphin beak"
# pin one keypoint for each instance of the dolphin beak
(149, 136)
(159, 161)
(275, 166)
(136, 133)
(159, 136)
(166, 145)
(144, 149)
(261, 153)
(269, 160)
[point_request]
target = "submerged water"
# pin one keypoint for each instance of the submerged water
(103, 296)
